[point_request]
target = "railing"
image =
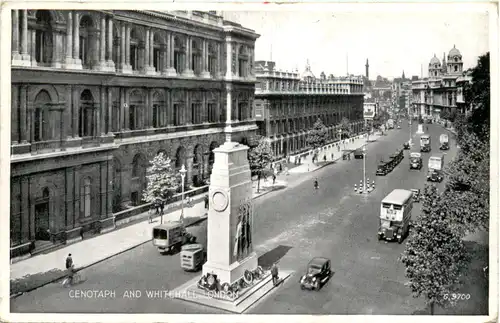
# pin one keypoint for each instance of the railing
(45, 146)
(146, 206)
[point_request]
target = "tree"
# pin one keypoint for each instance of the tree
(318, 135)
(466, 196)
(345, 127)
(435, 255)
(259, 158)
(478, 95)
(162, 180)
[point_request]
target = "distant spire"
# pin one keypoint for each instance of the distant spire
(271, 53)
(347, 63)
(404, 75)
(421, 71)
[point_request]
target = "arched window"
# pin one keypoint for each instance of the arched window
(212, 60)
(158, 110)
(134, 50)
(157, 52)
(136, 110)
(456, 68)
(179, 53)
(43, 38)
(87, 39)
(42, 130)
(196, 57)
(86, 198)
(87, 111)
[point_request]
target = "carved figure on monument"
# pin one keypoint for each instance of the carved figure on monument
(243, 236)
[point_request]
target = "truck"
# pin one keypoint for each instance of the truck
(435, 169)
(390, 124)
(171, 236)
(444, 141)
(425, 143)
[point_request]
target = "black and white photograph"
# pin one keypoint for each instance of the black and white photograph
(307, 160)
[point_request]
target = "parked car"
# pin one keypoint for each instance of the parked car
(406, 145)
(318, 272)
(358, 154)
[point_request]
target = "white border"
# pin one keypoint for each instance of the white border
(250, 5)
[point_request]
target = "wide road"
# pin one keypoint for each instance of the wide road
(291, 226)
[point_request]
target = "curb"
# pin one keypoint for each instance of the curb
(17, 294)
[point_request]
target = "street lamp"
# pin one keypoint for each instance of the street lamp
(183, 172)
(364, 169)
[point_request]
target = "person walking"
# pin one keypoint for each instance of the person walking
(206, 201)
(316, 184)
(70, 268)
(274, 273)
(274, 179)
(162, 207)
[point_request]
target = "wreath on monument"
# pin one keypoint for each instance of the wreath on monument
(248, 277)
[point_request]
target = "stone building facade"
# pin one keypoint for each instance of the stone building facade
(438, 92)
(288, 104)
(97, 94)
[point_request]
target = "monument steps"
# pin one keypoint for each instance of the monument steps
(190, 292)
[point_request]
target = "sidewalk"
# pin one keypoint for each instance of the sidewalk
(309, 166)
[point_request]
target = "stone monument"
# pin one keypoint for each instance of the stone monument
(420, 129)
(230, 217)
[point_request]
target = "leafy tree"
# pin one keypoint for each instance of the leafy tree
(478, 94)
(345, 127)
(259, 158)
(435, 255)
(162, 180)
(466, 196)
(318, 135)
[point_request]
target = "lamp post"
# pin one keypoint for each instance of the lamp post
(183, 172)
(364, 169)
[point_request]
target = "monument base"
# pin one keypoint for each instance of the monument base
(240, 301)
(234, 272)
(420, 129)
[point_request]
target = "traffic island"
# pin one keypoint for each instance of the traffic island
(234, 302)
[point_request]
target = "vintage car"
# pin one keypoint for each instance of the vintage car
(382, 168)
(415, 160)
(406, 145)
(318, 272)
(358, 154)
(416, 194)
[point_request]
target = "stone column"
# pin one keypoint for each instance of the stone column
(229, 49)
(127, 50)
(147, 63)
(219, 63)
(102, 109)
(15, 37)
(170, 70)
(33, 42)
(69, 41)
(25, 35)
(121, 103)
(189, 168)
(126, 110)
(102, 56)
(67, 112)
(57, 48)
(76, 41)
(204, 60)
(110, 62)
(23, 115)
(74, 99)
(236, 61)
(123, 52)
(188, 71)
(110, 110)
(151, 48)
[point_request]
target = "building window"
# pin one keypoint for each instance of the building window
(195, 113)
(156, 116)
(157, 58)
(177, 115)
(86, 41)
(242, 62)
(87, 110)
(86, 198)
(43, 37)
(212, 60)
(212, 116)
(196, 57)
(134, 50)
(179, 51)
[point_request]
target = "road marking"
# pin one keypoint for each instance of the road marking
(375, 258)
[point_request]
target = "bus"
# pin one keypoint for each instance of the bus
(395, 215)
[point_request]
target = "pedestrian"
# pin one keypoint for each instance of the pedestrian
(206, 201)
(274, 273)
(70, 268)
(157, 207)
(280, 167)
(274, 179)
(324, 158)
(332, 156)
(69, 261)
(162, 206)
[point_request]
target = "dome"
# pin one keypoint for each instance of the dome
(454, 52)
(435, 60)
(307, 73)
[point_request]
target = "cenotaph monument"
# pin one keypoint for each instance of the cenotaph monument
(420, 129)
(231, 278)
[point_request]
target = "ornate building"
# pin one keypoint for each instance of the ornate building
(97, 94)
(287, 105)
(438, 92)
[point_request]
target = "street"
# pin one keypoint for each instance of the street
(292, 226)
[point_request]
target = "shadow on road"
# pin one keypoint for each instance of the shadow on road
(266, 260)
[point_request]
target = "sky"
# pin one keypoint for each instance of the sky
(338, 42)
